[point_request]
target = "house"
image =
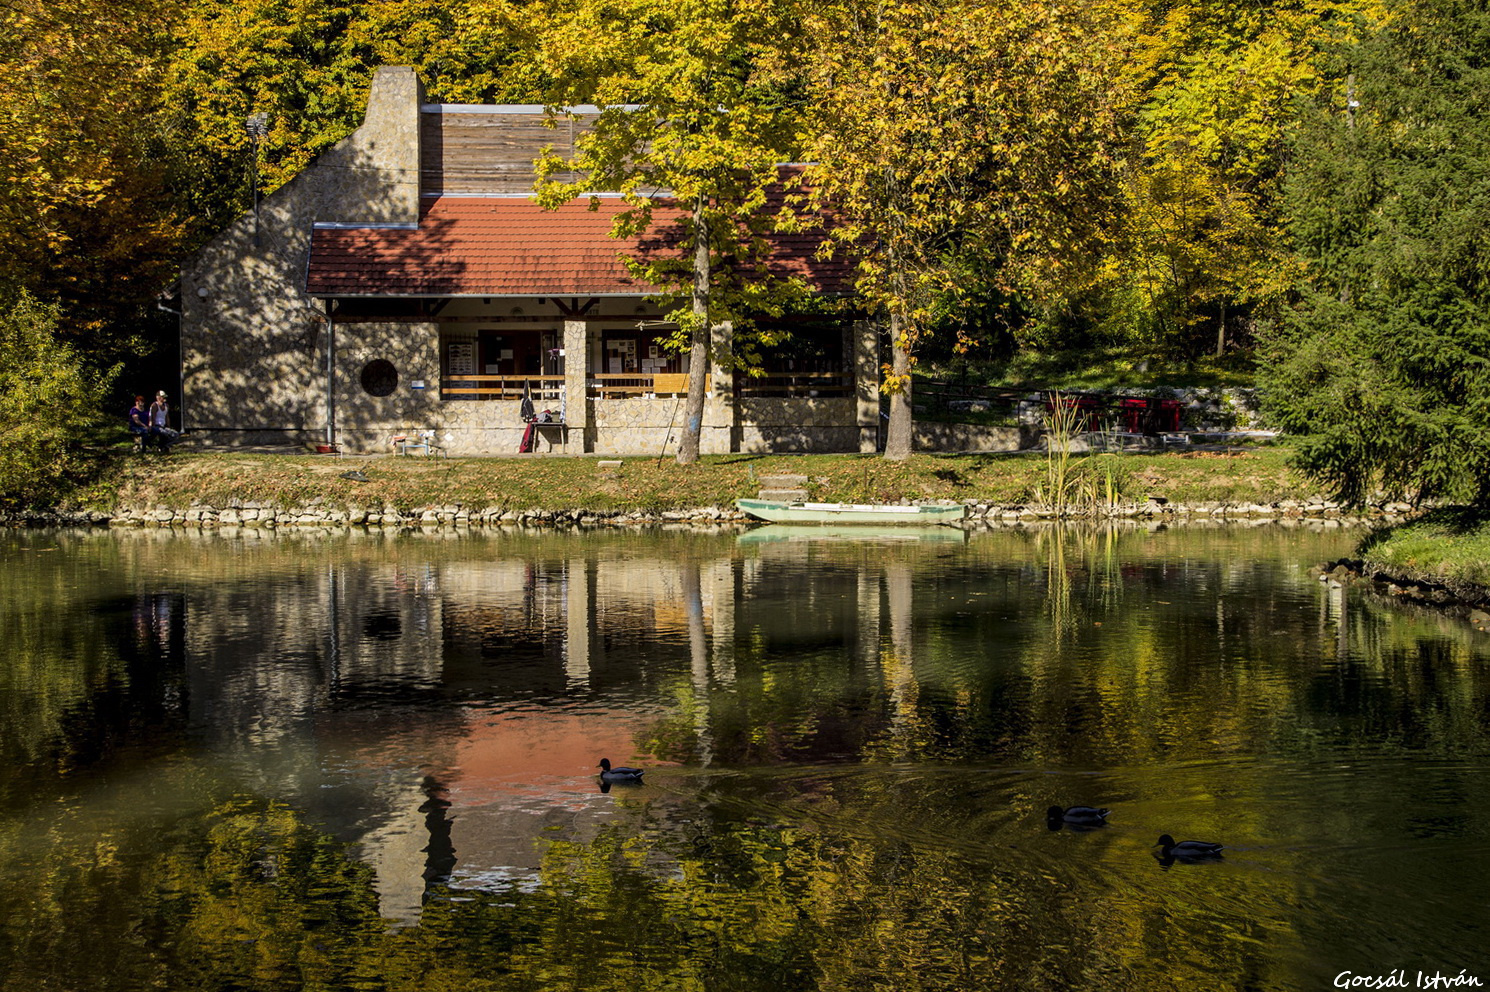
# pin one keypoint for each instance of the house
(406, 281)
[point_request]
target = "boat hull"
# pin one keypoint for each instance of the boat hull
(851, 513)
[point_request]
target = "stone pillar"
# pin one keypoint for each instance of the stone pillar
(866, 338)
(725, 419)
(576, 394)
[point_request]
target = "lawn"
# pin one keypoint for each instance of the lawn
(566, 483)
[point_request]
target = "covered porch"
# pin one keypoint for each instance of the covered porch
(593, 374)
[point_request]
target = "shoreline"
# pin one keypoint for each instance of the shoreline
(1466, 600)
(263, 515)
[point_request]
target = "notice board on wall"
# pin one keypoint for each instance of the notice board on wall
(460, 357)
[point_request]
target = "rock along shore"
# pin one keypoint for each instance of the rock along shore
(316, 514)
(1469, 602)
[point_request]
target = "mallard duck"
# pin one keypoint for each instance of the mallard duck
(609, 774)
(1187, 850)
(1083, 816)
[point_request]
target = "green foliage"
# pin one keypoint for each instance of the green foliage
(52, 403)
(1384, 367)
(694, 98)
(1201, 253)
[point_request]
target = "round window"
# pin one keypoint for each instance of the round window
(379, 378)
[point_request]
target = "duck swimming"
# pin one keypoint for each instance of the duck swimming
(1088, 816)
(1187, 850)
(623, 775)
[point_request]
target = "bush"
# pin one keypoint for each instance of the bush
(52, 409)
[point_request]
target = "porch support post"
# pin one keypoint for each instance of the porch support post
(866, 339)
(576, 372)
(726, 403)
(331, 372)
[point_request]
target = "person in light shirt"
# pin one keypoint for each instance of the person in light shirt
(160, 428)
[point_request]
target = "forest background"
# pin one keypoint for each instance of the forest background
(1293, 191)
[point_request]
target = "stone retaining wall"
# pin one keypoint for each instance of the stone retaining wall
(980, 513)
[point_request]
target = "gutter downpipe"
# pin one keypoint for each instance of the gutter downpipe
(180, 362)
(331, 371)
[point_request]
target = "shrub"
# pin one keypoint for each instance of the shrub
(52, 402)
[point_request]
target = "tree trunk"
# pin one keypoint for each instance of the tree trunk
(698, 355)
(1221, 332)
(898, 439)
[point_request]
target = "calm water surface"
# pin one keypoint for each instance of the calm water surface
(367, 762)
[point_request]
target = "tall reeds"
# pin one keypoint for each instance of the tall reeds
(1071, 484)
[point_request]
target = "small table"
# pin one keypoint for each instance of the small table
(426, 442)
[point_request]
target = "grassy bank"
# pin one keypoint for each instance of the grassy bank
(1450, 546)
(1259, 475)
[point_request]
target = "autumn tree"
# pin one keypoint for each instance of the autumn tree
(693, 112)
(969, 136)
(1202, 245)
(86, 217)
(307, 65)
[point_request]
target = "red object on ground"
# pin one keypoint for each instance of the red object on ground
(1133, 411)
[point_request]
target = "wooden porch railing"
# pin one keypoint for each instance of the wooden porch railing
(542, 388)
(612, 386)
(550, 388)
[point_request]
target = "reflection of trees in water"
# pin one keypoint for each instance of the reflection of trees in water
(918, 655)
(251, 896)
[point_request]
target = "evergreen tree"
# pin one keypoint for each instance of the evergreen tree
(1383, 369)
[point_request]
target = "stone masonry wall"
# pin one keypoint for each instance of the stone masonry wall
(253, 344)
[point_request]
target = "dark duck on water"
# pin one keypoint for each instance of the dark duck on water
(1187, 850)
(1078, 816)
(619, 776)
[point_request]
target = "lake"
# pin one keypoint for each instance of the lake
(279, 760)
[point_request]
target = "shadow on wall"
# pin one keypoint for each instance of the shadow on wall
(254, 340)
(799, 438)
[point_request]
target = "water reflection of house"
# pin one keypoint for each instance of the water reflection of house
(368, 693)
(406, 281)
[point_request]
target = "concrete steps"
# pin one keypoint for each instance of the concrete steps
(783, 488)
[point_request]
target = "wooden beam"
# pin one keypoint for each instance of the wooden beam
(574, 309)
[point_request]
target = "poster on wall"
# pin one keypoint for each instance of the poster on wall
(461, 357)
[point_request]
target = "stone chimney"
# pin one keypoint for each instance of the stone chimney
(374, 173)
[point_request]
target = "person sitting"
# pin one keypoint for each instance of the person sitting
(139, 423)
(159, 423)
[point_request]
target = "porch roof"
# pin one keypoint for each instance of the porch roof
(509, 246)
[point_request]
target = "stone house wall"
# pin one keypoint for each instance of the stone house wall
(253, 343)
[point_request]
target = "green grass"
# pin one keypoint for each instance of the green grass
(559, 483)
(1450, 545)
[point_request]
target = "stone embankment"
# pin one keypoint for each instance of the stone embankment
(1468, 601)
(261, 515)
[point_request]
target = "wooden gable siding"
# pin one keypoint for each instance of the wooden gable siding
(488, 154)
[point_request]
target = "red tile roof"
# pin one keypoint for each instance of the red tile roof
(509, 246)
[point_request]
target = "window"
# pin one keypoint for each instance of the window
(379, 377)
